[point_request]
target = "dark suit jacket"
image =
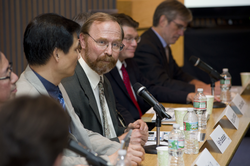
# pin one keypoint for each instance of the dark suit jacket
(162, 94)
(151, 58)
(83, 100)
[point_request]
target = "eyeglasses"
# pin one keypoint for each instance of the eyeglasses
(9, 70)
(116, 46)
(130, 39)
(179, 26)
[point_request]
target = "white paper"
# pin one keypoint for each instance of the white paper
(239, 105)
(232, 116)
(169, 111)
(221, 115)
(220, 138)
(205, 159)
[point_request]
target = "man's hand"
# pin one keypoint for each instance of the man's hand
(190, 97)
(139, 124)
(135, 154)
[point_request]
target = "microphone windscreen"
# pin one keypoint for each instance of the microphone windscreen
(193, 60)
(137, 86)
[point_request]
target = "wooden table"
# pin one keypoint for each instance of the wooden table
(235, 135)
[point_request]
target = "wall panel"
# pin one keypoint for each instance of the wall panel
(16, 14)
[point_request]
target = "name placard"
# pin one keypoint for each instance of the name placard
(205, 159)
(231, 116)
(239, 105)
(220, 138)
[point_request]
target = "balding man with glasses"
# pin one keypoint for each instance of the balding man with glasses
(90, 91)
(8, 80)
(153, 54)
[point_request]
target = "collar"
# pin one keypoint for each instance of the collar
(52, 89)
(164, 44)
(119, 64)
(93, 77)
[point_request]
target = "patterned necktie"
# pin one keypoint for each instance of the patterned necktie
(129, 89)
(61, 100)
(104, 111)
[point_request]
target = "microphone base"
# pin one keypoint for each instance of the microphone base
(219, 105)
(151, 149)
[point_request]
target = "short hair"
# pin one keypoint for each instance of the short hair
(0, 57)
(33, 131)
(100, 17)
(45, 33)
(171, 9)
(126, 20)
(81, 18)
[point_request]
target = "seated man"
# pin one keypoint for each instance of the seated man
(89, 90)
(8, 80)
(153, 54)
(128, 69)
(27, 132)
(51, 49)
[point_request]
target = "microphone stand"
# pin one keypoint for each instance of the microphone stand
(216, 104)
(151, 149)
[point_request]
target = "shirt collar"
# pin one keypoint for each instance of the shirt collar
(164, 44)
(52, 89)
(119, 64)
(93, 77)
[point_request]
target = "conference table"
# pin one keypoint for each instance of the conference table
(235, 135)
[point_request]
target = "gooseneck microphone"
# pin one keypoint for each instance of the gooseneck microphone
(149, 98)
(205, 67)
(91, 157)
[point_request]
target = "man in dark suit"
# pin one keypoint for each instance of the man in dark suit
(90, 92)
(125, 63)
(154, 56)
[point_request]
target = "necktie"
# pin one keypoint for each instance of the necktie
(61, 100)
(104, 111)
(128, 87)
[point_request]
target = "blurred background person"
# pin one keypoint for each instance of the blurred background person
(33, 131)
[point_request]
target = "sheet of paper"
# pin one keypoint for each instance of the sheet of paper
(205, 159)
(220, 138)
(170, 111)
(239, 105)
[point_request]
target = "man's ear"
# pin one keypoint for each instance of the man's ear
(82, 40)
(56, 54)
(163, 21)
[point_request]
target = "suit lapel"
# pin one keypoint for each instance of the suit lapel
(34, 80)
(85, 85)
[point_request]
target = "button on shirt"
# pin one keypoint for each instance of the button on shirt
(94, 79)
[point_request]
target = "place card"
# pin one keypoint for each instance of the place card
(239, 105)
(220, 138)
(231, 116)
(205, 159)
(246, 89)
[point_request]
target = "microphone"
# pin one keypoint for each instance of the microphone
(149, 98)
(205, 67)
(91, 157)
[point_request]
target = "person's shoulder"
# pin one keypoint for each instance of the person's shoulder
(24, 87)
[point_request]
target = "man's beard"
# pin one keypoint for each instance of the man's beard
(98, 65)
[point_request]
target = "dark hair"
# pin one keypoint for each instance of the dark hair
(33, 131)
(126, 20)
(81, 18)
(171, 9)
(100, 17)
(45, 33)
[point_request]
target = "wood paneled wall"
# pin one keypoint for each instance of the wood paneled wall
(16, 14)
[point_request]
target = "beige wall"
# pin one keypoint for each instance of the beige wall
(142, 11)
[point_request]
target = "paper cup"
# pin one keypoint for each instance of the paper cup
(245, 76)
(162, 155)
(210, 103)
(179, 115)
